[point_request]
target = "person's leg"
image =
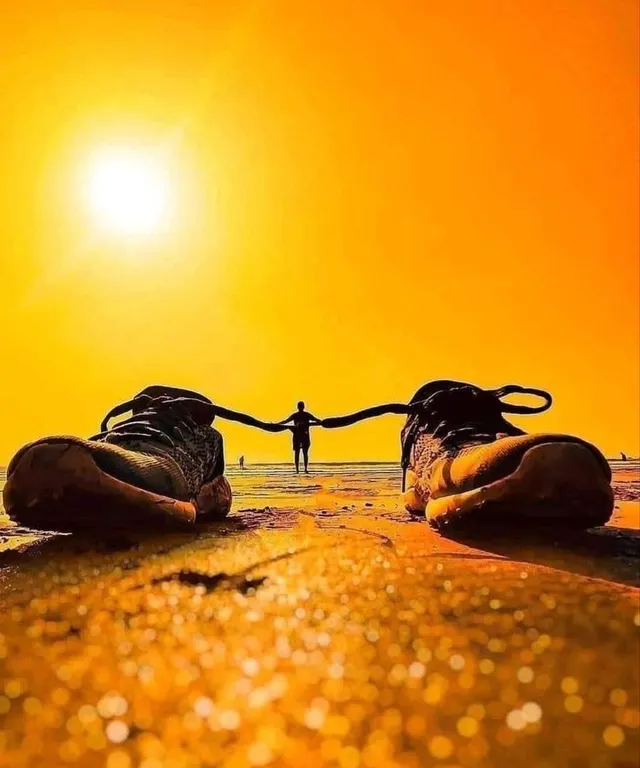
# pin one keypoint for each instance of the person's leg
(305, 454)
(296, 452)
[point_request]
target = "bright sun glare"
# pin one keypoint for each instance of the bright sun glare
(128, 191)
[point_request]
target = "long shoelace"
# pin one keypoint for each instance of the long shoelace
(168, 414)
(449, 411)
(162, 419)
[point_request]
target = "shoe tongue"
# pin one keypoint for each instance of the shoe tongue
(160, 390)
(462, 406)
(426, 391)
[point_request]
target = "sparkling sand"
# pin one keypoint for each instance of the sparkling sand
(322, 626)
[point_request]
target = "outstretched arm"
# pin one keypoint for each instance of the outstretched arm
(287, 420)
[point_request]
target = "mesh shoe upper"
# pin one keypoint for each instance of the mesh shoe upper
(171, 424)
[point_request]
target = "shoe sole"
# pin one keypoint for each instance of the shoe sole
(58, 486)
(559, 484)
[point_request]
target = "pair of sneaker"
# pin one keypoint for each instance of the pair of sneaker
(464, 465)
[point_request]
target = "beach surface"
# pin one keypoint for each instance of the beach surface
(321, 625)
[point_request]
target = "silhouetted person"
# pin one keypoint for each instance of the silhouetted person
(302, 420)
(241, 462)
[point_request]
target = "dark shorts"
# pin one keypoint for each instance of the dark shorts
(301, 442)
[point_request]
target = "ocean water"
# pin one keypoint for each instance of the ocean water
(369, 469)
(382, 470)
(367, 479)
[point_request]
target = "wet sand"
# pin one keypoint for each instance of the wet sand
(321, 625)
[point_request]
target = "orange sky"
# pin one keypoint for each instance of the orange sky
(370, 194)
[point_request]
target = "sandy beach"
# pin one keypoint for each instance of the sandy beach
(321, 625)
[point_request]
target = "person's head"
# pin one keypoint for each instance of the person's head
(301, 406)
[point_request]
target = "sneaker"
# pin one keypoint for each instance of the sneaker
(161, 466)
(465, 464)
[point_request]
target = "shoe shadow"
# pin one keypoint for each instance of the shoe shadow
(609, 552)
(21, 545)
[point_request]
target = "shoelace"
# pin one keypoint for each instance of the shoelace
(450, 411)
(169, 414)
(165, 420)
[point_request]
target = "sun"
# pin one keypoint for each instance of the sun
(128, 191)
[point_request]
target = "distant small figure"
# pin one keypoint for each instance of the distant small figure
(241, 462)
(302, 420)
(623, 456)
